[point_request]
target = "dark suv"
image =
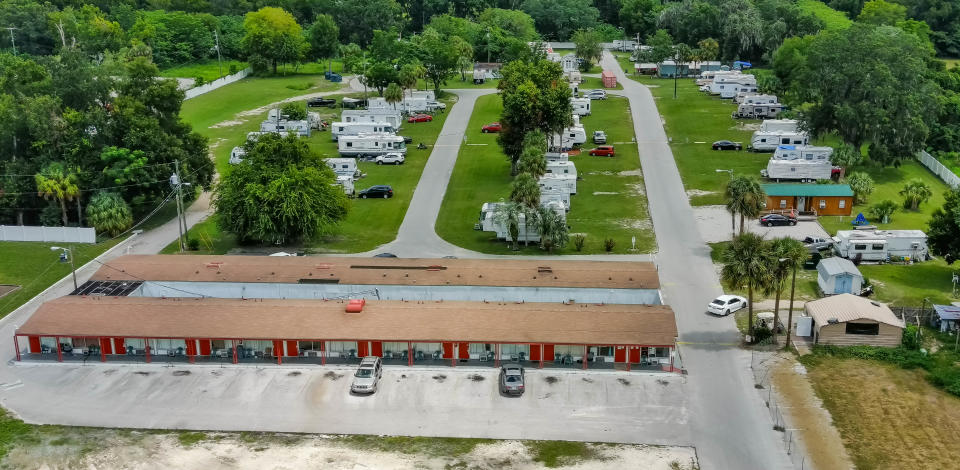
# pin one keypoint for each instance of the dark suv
(322, 102)
(380, 190)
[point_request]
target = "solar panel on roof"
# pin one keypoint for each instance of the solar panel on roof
(107, 288)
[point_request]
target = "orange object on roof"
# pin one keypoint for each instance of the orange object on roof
(356, 305)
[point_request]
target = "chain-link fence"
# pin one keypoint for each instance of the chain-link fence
(761, 363)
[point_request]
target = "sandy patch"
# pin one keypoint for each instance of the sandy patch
(745, 126)
(698, 192)
(639, 224)
(636, 172)
(602, 173)
(639, 189)
(226, 124)
(604, 193)
(7, 288)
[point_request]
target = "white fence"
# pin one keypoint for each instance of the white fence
(199, 90)
(22, 233)
(938, 169)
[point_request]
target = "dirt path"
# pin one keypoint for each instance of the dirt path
(805, 413)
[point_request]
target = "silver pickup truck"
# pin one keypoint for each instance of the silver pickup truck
(815, 244)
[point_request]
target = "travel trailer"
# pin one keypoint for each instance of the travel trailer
(561, 168)
(346, 182)
(253, 136)
(731, 84)
(343, 166)
(562, 196)
(800, 162)
(353, 128)
(557, 157)
(773, 125)
(581, 106)
(370, 145)
(739, 97)
(759, 99)
(488, 222)
(300, 128)
(574, 135)
(769, 141)
(236, 155)
(758, 111)
(416, 104)
(625, 45)
(558, 182)
(386, 115)
(881, 245)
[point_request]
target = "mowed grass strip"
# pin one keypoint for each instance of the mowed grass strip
(609, 202)
(210, 70)
(889, 418)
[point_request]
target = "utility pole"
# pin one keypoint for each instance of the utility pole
(67, 254)
(181, 222)
(364, 75)
(13, 42)
(216, 37)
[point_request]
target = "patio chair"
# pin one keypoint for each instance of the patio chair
(180, 352)
(353, 354)
(44, 349)
(523, 356)
(268, 352)
(436, 355)
(557, 357)
(131, 350)
(388, 354)
(403, 355)
(514, 358)
(419, 355)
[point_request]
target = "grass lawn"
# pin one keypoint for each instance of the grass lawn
(456, 84)
(693, 122)
(832, 19)
(889, 418)
(34, 267)
(210, 70)
(608, 203)
(623, 58)
(951, 63)
(888, 182)
(909, 285)
(589, 83)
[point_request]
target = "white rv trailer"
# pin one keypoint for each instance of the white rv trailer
(581, 106)
(488, 222)
(799, 162)
(562, 196)
(760, 99)
(386, 115)
(253, 136)
(730, 89)
(314, 119)
(236, 155)
(739, 97)
(707, 77)
(353, 128)
(343, 166)
(346, 182)
(558, 157)
(558, 182)
(300, 128)
(881, 245)
(559, 143)
(561, 168)
(416, 104)
(769, 141)
(371, 145)
(773, 125)
(758, 110)
(576, 135)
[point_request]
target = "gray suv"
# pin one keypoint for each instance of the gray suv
(511, 379)
(367, 377)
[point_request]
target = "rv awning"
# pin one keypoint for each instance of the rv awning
(947, 312)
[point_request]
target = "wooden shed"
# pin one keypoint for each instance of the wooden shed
(609, 79)
(849, 320)
(822, 199)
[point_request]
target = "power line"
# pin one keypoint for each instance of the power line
(83, 171)
(145, 280)
(92, 189)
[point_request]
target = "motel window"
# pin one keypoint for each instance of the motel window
(783, 203)
(135, 343)
(342, 347)
(390, 348)
(878, 246)
(218, 344)
(477, 348)
(257, 345)
(309, 345)
(509, 352)
(863, 328)
(823, 204)
(843, 203)
(859, 247)
(165, 345)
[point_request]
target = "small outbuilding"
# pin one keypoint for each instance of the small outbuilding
(836, 275)
(947, 317)
(849, 320)
(609, 79)
(823, 199)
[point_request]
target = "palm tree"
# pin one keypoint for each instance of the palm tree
(408, 76)
(681, 55)
(532, 161)
(526, 191)
(915, 192)
(393, 94)
(861, 184)
(745, 196)
(746, 264)
(464, 53)
(787, 254)
(508, 213)
(883, 210)
(56, 182)
(553, 229)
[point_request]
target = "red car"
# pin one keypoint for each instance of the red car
(602, 151)
(420, 118)
(492, 127)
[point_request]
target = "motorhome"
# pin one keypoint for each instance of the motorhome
(758, 111)
(346, 182)
(370, 145)
(881, 245)
(236, 155)
(490, 222)
(581, 106)
(338, 129)
(558, 182)
(774, 125)
(800, 162)
(731, 88)
(343, 166)
(769, 141)
(300, 128)
(386, 115)
(562, 168)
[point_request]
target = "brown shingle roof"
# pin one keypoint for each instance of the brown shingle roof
(380, 321)
(849, 307)
(389, 271)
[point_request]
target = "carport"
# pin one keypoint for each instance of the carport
(479, 334)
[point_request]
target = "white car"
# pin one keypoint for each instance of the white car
(596, 94)
(390, 159)
(726, 304)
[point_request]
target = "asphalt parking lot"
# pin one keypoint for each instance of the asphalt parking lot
(714, 225)
(603, 406)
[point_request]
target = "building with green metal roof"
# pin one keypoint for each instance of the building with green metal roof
(821, 199)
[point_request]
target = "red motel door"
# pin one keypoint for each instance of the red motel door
(620, 354)
(35, 344)
(548, 354)
(118, 346)
(377, 348)
(204, 347)
(464, 351)
(534, 352)
(448, 350)
(191, 347)
(635, 354)
(292, 348)
(105, 346)
(363, 348)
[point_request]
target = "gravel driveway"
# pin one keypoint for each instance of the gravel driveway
(714, 225)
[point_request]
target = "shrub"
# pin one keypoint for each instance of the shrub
(199, 81)
(109, 213)
(233, 69)
(608, 244)
(578, 241)
(911, 338)
(193, 244)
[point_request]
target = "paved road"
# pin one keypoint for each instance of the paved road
(729, 426)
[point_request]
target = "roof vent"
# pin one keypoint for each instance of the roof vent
(544, 269)
(833, 321)
(875, 304)
(355, 305)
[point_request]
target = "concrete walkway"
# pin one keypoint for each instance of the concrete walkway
(728, 425)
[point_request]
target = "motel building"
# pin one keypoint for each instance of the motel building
(195, 309)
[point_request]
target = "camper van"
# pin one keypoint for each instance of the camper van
(769, 141)
(353, 128)
(343, 166)
(881, 245)
(370, 145)
(758, 110)
(775, 125)
(581, 106)
(800, 162)
(488, 222)
(561, 168)
(386, 115)
(558, 182)
(236, 155)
